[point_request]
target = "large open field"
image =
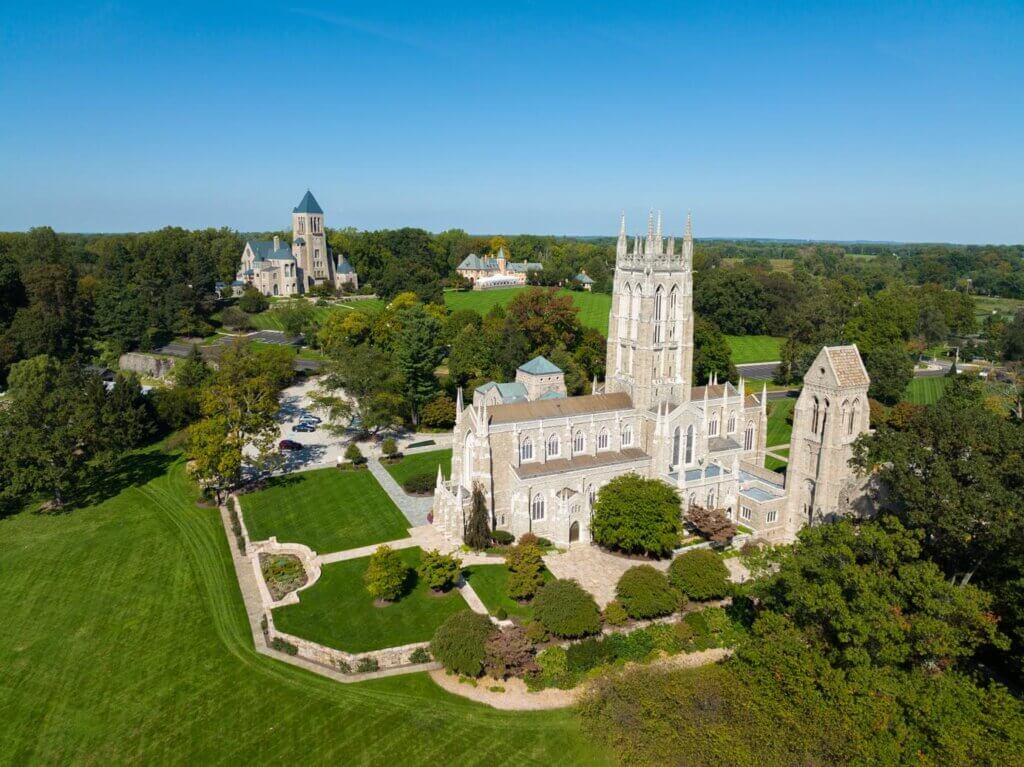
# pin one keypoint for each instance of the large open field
(777, 264)
(754, 348)
(594, 307)
(270, 319)
(986, 305)
(326, 509)
(126, 642)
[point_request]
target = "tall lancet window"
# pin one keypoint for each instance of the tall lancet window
(526, 449)
(689, 445)
(814, 417)
(673, 312)
(676, 446)
(731, 428)
(748, 437)
(625, 311)
(659, 294)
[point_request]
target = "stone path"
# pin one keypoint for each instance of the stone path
(415, 509)
(596, 571)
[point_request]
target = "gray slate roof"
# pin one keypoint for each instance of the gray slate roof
(473, 262)
(308, 204)
(264, 249)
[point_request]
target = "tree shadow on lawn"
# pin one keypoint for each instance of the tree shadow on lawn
(129, 470)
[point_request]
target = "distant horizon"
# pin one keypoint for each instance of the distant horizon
(841, 122)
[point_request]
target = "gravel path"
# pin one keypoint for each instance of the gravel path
(516, 697)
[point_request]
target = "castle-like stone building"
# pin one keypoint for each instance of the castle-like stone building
(496, 272)
(277, 269)
(541, 458)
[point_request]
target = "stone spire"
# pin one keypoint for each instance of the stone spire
(458, 406)
(764, 397)
(620, 247)
(688, 243)
(650, 233)
(658, 243)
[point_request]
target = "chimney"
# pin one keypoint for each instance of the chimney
(277, 243)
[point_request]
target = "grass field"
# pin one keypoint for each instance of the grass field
(338, 611)
(421, 463)
(925, 391)
(774, 464)
(326, 509)
(778, 429)
(986, 305)
(127, 643)
(778, 264)
(488, 581)
(270, 319)
(746, 349)
(594, 307)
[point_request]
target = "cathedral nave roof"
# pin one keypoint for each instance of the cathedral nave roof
(580, 462)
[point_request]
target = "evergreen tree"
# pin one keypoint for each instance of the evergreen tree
(417, 355)
(478, 533)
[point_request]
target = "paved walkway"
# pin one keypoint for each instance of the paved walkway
(415, 508)
(596, 570)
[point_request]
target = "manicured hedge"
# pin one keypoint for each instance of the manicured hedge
(566, 610)
(420, 484)
(459, 643)
(645, 593)
(700, 575)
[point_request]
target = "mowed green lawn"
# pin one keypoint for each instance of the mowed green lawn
(489, 583)
(338, 611)
(746, 349)
(779, 430)
(126, 642)
(925, 391)
(421, 463)
(326, 509)
(594, 307)
(270, 319)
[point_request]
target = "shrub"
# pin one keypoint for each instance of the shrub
(615, 614)
(501, 614)
(712, 524)
(637, 515)
(343, 666)
(554, 669)
(566, 610)
(529, 539)
(509, 652)
(536, 632)
(588, 654)
(634, 646)
(664, 637)
(502, 537)
(235, 318)
(439, 413)
(388, 446)
(420, 655)
(386, 574)
(252, 301)
(420, 484)
(526, 571)
(439, 571)
(459, 643)
(684, 633)
(353, 453)
(477, 534)
(367, 664)
(700, 575)
(544, 543)
(645, 593)
(283, 645)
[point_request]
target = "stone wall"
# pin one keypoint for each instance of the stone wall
(146, 364)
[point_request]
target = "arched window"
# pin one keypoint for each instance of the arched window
(591, 496)
(625, 311)
(853, 416)
(692, 500)
(748, 436)
(537, 507)
(659, 294)
(554, 446)
(673, 312)
(732, 423)
(578, 442)
(526, 449)
(689, 445)
(627, 435)
(602, 440)
(711, 498)
(676, 446)
(713, 425)
(814, 417)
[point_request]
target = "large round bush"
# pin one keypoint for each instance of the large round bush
(646, 593)
(700, 575)
(638, 516)
(566, 610)
(460, 643)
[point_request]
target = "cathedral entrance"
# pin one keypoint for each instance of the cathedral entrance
(574, 532)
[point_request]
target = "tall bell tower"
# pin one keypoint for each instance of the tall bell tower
(309, 244)
(650, 328)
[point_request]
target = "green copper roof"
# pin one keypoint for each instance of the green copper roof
(308, 205)
(540, 366)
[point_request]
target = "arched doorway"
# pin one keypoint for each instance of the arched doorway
(574, 532)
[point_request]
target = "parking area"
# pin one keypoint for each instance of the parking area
(319, 448)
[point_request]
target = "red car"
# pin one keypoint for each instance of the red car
(288, 444)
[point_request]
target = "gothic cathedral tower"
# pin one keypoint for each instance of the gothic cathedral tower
(309, 244)
(650, 329)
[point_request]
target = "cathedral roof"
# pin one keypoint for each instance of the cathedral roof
(559, 408)
(509, 392)
(583, 278)
(344, 267)
(847, 364)
(561, 465)
(540, 366)
(308, 204)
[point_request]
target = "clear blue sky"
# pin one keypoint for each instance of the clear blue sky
(861, 121)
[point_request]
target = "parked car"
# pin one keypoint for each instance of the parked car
(305, 416)
(304, 426)
(288, 444)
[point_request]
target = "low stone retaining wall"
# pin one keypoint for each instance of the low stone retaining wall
(310, 563)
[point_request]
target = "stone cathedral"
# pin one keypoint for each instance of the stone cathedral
(541, 458)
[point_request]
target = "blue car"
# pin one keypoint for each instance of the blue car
(304, 427)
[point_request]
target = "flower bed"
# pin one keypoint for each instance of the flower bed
(283, 574)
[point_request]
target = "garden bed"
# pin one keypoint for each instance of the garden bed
(283, 574)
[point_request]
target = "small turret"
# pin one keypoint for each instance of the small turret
(620, 246)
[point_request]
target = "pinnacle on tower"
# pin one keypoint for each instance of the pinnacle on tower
(620, 247)
(649, 248)
(658, 241)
